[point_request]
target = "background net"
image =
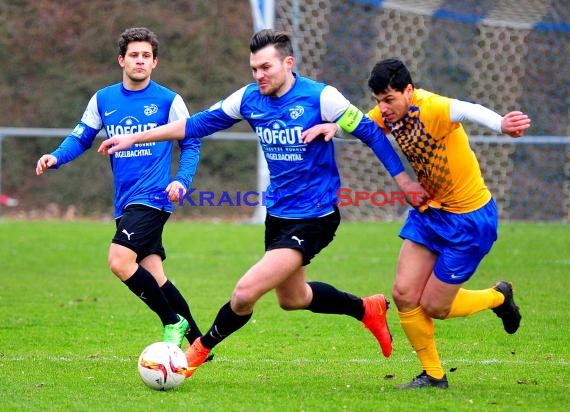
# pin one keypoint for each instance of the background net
(506, 55)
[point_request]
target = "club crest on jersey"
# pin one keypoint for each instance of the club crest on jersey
(151, 109)
(296, 112)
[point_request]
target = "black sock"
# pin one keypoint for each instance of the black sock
(328, 299)
(180, 306)
(226, 323)
(142, 284)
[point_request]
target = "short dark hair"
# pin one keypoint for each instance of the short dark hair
(389, 73)
(279, 39)
(137, 34)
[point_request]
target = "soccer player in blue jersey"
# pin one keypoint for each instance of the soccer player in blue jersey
(142, 177)
(302, 215)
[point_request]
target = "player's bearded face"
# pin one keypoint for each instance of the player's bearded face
(394, 104)
(270, 71)
(138, 61)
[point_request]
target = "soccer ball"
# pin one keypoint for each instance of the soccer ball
(162, 365)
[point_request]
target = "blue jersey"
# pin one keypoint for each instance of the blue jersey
(303, 178)
(142, 173)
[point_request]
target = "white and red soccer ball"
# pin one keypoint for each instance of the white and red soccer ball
(162, 366)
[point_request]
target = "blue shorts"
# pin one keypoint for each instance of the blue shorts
(460, 240)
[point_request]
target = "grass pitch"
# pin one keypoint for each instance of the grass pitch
(70, 332)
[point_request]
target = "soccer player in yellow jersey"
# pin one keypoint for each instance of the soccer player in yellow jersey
(445, 240)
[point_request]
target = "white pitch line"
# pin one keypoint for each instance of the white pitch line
(379, 360)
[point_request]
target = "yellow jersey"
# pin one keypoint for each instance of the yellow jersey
(438, 150)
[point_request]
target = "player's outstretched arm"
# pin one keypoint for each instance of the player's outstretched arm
(515, 123)
(170, 131)
(415, 194)
(44, 163)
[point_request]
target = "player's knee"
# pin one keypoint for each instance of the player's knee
(243, 299)
(403, 299)
(435, 311)
(118, 265)
(114, 263)
(397, 296)
(287, 304)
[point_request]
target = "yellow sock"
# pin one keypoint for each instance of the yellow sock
(468, 302)
(419, 329)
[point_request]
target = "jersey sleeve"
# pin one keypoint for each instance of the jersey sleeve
(188, 163)
(91, 116)
(189, 148)
(376, 116)
(79, 141)
(220, 116)
(178, 110)
(435, 114)
(460, 110)
(82, 137)
(333, 104)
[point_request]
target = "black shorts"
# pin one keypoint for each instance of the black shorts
(309, 236)
(140, 229)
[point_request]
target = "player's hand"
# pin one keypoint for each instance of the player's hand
(116, 143)
(416, 195)
(515, 123)
(175, 189)
(326, 130)
(44, 163)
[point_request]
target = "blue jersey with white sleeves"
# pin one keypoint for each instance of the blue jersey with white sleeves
(142, 173)
(304, 178)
